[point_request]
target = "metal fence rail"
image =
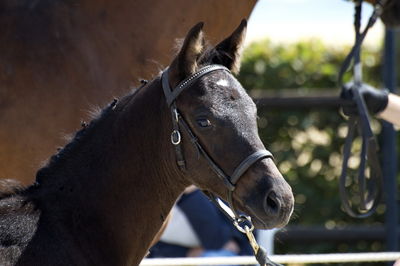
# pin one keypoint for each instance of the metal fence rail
(248, 260)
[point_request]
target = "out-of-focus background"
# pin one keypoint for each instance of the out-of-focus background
(289, 21)
(295, 48)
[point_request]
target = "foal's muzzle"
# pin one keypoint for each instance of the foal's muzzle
(270, 201)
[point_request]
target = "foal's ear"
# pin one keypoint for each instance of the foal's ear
(185, 62)
(230, 49)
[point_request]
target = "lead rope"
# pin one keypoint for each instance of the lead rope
(370, 193)
(244, 225)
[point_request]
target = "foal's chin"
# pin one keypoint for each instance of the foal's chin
(261, 220)
(269, 203)
(268, 224)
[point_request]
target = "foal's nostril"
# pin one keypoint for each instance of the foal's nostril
(272, 204)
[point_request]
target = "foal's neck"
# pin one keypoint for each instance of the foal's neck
(123, 178)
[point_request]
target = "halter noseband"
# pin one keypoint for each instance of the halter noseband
(178, 121)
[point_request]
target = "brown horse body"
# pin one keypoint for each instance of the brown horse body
(104, 196)
(58, 58)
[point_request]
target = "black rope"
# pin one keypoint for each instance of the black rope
(369, 191)
(349, 58)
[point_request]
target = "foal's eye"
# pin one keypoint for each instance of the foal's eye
(203, 122)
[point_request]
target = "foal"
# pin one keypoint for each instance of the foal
(104, 196)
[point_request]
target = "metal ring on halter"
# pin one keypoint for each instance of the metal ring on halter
(175, 137)
(243, 219)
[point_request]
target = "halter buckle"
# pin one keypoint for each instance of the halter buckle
(176, 137)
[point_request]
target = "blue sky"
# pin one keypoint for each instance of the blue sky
(291, 20)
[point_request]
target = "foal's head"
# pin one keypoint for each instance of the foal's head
(223, 118)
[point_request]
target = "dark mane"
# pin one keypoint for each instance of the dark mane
(9, 187)
(80, 136)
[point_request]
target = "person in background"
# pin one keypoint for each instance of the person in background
(381, 103)
(198, 229)
(391, 14)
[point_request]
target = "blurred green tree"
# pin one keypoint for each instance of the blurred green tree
(308, 144)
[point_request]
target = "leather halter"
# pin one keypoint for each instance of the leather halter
(179, 122)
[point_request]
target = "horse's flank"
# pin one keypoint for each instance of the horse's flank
(59, 57)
